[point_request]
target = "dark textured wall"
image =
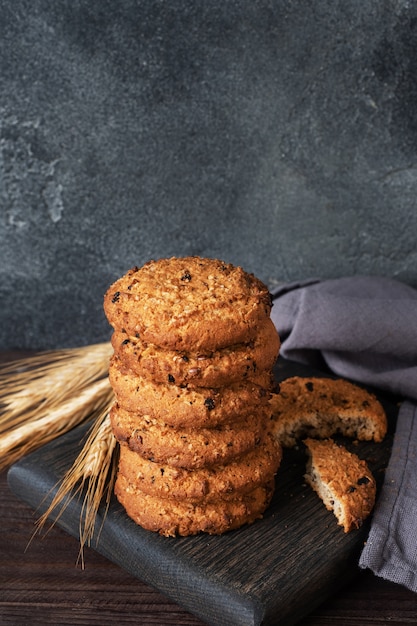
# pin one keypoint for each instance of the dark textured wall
(277, 135)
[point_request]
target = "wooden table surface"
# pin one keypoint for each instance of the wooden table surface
(40, 584)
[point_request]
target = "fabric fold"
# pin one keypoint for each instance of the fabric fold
(359, 326)
(391, 548)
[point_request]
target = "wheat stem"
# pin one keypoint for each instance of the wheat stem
(93, 472)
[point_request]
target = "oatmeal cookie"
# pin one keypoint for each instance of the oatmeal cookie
(322, 407)
(204, 368)
(188, 407)
(344, 482)
(188, 303)
(191, 448)
(170, 517)
(227, 481)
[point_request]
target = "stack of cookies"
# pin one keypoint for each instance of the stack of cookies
(194, 348)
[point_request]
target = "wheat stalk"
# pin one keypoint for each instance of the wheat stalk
(44, 427)
(30, 387)
(44, 396)
(93, 475)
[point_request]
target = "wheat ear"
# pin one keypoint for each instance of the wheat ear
(41, 429)
(46, 395)
(30, 387)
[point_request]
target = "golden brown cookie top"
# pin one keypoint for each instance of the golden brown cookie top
(188, 303)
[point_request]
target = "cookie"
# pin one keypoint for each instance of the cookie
(322, 407)
(186, 407)
(190, 448)
(342, 481)
(170, 517)
(204, 368)
(226, 481)
(188, 303)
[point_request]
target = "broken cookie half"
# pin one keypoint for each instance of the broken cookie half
(342, 480)
(323, 407)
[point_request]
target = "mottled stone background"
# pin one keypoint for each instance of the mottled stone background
(277, 135)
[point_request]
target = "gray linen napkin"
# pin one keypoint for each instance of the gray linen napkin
(365, 328)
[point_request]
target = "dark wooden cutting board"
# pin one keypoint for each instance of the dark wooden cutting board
(273, 572)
